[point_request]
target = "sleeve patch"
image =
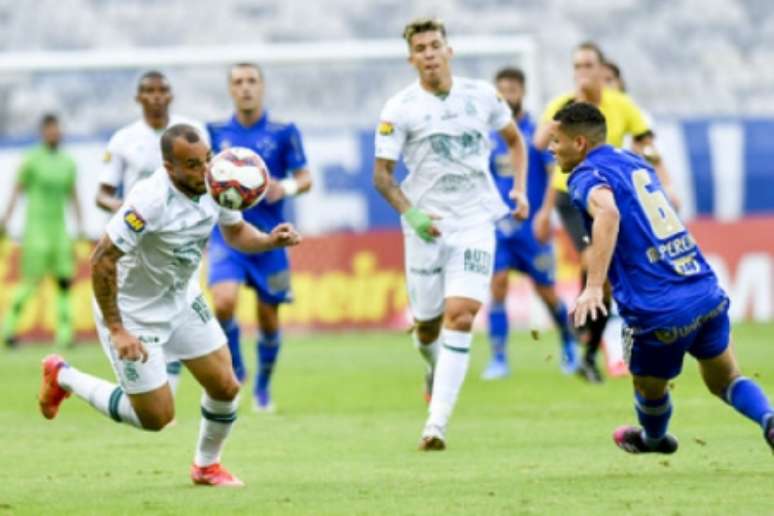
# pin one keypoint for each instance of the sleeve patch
(134, 221)
(107, 157)
(386, 128)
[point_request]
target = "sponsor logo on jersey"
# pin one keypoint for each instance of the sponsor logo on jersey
(107, 157)
(134, 221)
(386, 128)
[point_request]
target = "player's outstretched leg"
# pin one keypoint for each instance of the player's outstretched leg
(219, 405)
(654, 409)
(450, 370)
(425, 336)
(723, 378)
(60, 380)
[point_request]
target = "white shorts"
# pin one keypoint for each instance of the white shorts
(457, 264)
(194, 333)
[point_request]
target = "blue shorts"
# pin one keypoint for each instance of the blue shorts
(522, 252)
(267, 273)
(660, 352)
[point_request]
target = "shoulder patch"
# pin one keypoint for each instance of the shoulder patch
(386, 128)
(134, 221)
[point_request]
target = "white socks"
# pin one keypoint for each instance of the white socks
(450, 370)
(428, 351)
(217, 419)
(104, 396)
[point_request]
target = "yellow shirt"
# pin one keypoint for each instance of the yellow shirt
(621, 114)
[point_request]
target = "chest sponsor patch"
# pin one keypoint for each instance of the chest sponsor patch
(386, 128)
(134, 221)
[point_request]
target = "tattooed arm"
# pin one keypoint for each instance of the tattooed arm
(104, 264)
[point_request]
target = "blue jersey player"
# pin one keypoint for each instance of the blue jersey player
(517, 248)
(667, 294)
(279, 144)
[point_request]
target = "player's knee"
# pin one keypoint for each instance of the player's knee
(460, 320)
(227, 390)
(499, 287)
(224, 307)
(157, 420)
(428, 331)
(650, 388)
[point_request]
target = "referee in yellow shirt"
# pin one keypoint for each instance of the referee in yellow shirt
(623, 118)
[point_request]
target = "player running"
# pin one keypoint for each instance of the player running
(624, 118)
(517, 248)
(667, 293)
(448, 204)
(47, 180)
(268, 274)
(133, 153)
(149, 305)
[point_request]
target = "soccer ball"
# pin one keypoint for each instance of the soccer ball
(237, 178)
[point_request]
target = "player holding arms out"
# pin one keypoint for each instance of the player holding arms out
(133, 153)
(268, 274)
(149, 305)
(667, 293)
(517, 247)
(47, 180)
(448, 204)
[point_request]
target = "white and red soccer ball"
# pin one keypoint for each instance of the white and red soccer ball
(238, 178)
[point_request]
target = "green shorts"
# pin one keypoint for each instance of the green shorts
(41, 257)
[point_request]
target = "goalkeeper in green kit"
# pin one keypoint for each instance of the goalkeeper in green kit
(47, 180)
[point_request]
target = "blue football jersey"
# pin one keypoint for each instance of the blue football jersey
(501, 167)
(659, 276)
(280, 146)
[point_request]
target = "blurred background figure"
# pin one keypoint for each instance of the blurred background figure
(47, 180)
(517, 248)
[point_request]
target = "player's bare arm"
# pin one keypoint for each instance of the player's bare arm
(106, 198)
(645, 146)
(246, 238)
(604, 233)
(17, 191)
(384, 181)
(541, 224)
(300, 183)
(543, 134)
(517, 151)
(104, 264)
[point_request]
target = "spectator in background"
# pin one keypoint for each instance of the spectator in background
(47, 180)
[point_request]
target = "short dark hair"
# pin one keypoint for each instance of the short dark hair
(186, 131)
(593, 47)
(150, 74)
(48, 119)
(425, 24)
(245, 64)
(511, 73)
(583, 118)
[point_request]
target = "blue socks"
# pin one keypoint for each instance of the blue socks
(268, 349)
(231, 328)
(653, 416)
(498, 330)
(562, 321)
(748, 399)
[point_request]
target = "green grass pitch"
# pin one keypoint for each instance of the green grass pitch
(344, 441)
